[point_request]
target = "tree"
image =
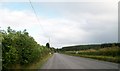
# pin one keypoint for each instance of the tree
(20, 48)
(48, 45)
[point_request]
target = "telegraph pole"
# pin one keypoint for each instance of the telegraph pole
(49, 41)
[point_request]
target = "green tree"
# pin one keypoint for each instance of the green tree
(48, 45)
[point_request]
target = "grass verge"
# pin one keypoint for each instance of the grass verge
(110, 54)
(38, 64)
(31, 67)
(104, 58)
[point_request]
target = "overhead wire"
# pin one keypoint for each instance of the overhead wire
(39, 20)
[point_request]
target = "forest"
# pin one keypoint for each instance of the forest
(90, 46)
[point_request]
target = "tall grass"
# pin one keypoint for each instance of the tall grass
(107, 54)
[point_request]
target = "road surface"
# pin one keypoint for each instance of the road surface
(61, 61)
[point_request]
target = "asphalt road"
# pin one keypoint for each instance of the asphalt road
(61, 61)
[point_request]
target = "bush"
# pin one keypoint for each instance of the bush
(20, 48)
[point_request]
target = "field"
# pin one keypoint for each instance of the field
(107, 53)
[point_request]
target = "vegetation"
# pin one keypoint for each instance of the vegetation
(107, 52)
(48, 45)
(92, 46)
(19, 49)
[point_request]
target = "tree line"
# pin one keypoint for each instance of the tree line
(85, 47)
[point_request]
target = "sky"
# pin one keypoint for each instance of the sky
(65, 23)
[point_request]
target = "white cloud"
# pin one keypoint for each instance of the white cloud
(17, 19)
(60, 0)
(79, 24)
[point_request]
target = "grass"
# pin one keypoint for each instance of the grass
(110, 54)
(38, 64)
(32, 67)
(104, 58)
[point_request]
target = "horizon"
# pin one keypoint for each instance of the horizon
(64, 23)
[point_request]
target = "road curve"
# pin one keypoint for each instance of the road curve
(61, 61)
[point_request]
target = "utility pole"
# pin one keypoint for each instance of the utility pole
(49, 41)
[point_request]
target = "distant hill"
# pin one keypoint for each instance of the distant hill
(92, 46)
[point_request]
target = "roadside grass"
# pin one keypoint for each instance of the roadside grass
(38, 64)
(31, 67)
(104, 58)
(110, 54)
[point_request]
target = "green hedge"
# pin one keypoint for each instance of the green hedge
(20, 48)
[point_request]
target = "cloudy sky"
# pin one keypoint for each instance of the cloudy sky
(66, 23)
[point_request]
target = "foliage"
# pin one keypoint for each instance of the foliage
(48, 45)
(20, 48)
(108, 54)
(86, 47)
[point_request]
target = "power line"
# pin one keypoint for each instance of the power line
(38, 20)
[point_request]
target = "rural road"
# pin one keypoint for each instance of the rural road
(61, 61)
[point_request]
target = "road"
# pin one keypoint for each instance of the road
(61, 61)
